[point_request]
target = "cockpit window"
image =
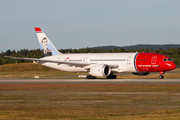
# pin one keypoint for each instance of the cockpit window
(167, 59)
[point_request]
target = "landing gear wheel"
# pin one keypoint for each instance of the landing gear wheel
(111, 76)
(90, 77)
(161, 76)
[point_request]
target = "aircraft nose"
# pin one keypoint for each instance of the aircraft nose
(173, 66)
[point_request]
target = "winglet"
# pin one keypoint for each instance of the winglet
(37, 29)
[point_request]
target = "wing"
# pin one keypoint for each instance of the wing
(41, 60)
(77, 64)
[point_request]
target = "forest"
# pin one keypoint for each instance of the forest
(173, 53)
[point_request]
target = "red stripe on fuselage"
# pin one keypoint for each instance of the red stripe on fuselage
(153, 62)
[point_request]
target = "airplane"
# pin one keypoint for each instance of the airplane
(101, 64)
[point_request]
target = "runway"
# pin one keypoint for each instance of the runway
(90, 81)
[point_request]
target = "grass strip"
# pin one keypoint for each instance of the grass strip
(89, 101)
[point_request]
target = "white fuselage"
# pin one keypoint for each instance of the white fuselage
(125, 61)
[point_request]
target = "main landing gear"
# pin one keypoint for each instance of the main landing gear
(111, 76)
(90, 77)
(161, 76)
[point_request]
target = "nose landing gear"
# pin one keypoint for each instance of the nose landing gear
(161, 76)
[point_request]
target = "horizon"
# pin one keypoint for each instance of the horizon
(102, 46)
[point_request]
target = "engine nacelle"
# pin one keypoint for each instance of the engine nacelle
(100, 70)
(140, 73)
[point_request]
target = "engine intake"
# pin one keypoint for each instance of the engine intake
(102, 70)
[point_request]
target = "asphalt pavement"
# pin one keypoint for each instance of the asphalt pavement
(89, 81)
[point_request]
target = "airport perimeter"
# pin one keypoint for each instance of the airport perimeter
(89, 101)
(71, 98)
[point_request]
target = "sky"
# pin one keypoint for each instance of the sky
(88, 23)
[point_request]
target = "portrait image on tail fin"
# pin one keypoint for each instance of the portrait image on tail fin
(46, 51)
(46, 45)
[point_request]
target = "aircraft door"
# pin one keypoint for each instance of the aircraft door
(85, 60)
(129, 60)
(58, 59)
(154, 59)
(129, 65)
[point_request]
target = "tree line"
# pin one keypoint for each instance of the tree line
(173, 53)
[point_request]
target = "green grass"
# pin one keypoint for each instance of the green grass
(89, 102)
(30, 69)
(24, 67)
(36, 73)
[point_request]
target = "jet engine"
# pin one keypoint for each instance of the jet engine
(102, 70)
(140, 73)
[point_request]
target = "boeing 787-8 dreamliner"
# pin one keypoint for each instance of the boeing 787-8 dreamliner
(101, 64)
